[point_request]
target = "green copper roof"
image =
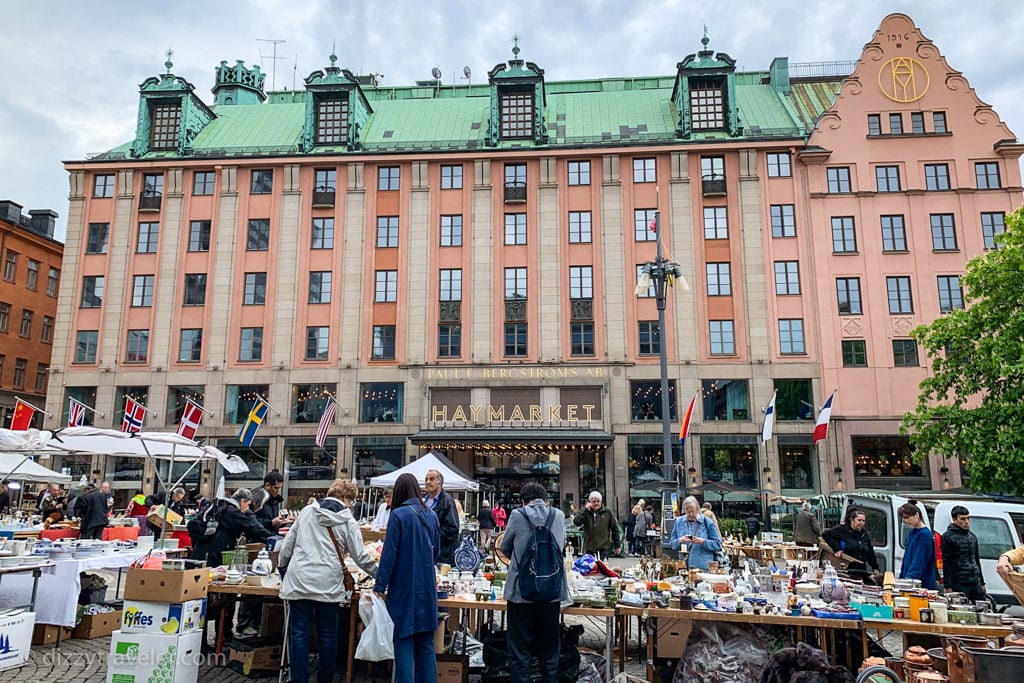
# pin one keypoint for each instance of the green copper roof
(270, 128)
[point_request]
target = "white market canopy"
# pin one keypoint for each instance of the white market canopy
(23, 468)
(454, 479)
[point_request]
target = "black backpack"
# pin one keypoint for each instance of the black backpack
(207, 519)
(540, 566)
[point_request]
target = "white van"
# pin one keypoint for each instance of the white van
(998, 525)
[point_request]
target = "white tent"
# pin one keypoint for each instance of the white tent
(22, 468)
(454, 480)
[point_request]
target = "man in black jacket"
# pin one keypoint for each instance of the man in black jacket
(440, 501)
(961, 562)
(269, 512)
(93, 517)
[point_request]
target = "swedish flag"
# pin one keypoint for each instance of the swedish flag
(253, 422)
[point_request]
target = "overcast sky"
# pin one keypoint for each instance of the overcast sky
(70, 70)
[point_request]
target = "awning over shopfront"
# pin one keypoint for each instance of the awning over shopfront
(509, 438)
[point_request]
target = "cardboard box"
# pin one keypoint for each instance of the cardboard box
(173, 618)
(672, 637)
(879, 612)
(46, 634)
(249, 658)
(97, 625)
(15, 639)
(453, 668)
(157, 585)
(143, 657)
(272, 621)
(156, 517)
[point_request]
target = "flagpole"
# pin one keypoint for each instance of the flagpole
(276, 411)
(89, 408)
(34, 407)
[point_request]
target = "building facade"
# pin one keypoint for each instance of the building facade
(456, 265)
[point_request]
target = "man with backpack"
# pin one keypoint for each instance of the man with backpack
(535, 586)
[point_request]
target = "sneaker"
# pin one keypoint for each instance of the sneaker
(246, 632)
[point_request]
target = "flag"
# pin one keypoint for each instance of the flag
(684, 429)
(253, 422)
(191, 416)
(653, 227)
(76, 413)
(325, 421)
(769, 419)
(23, 414)
(821, 427)
(134, 414)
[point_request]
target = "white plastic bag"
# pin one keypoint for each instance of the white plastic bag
(378, 640)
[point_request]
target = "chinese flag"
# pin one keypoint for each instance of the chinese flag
(23, 414)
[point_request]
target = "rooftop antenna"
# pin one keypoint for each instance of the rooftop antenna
(273, 64)
(436, 73)
(295, 71)
(468, 75)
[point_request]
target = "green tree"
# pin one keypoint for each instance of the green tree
(972, 403)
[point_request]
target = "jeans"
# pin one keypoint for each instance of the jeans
(533, 632)
(303, 614)
(414, 659)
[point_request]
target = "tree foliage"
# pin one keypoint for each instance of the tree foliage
(972, 403)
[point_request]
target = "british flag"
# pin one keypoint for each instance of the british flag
(191, 416)
(76, 413)
(134, 414)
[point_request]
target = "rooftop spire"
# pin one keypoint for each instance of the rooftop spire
(168, 64)
(515, 46)
(705, 40)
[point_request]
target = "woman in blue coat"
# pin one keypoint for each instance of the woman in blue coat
(411, 544)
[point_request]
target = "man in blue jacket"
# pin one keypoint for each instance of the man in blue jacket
(919, 550)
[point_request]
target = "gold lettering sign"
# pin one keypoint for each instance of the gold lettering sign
(513, 373)
(556, 415)
(903, 79)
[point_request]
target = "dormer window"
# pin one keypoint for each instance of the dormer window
(707, 103)
(165, 123)
(332, 121)
(516, 114)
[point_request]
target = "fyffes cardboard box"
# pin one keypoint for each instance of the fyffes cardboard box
(15, 638)
(162, 617)
(149, 658)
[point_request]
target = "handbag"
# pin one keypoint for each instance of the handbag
(347, 578)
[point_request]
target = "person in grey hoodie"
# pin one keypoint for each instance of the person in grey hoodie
(313, 581)
(533, 627)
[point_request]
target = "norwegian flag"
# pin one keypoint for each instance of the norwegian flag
(191, 416)
(134, 414)
(325, 421)
(76, 413)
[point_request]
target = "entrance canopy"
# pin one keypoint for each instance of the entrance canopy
(454, 479)
(23, 468)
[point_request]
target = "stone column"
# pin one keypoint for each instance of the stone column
(417, 271)
(481, 228)
(613, 246)
(552, 282)
(351, 239)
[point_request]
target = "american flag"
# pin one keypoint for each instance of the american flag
(191, 416)
(134, 414)
(325, 421)
(76, 413)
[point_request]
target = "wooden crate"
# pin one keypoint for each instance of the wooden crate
(1015, 581)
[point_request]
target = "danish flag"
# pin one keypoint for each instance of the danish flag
(191, 416)
(134, 414)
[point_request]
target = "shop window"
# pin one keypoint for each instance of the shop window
(885, 461)
(309, 401)
(797, 466)
(380, 402)
(732, 464)
(646, 399)
(240, 400)
(794, 400)
(376, 455)
(178, 398)
(725, 399)
(309, 469)
(256, 456)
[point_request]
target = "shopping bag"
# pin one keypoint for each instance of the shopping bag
(377, 642)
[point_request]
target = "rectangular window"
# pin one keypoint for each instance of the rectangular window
(987, 175)
(787, 277)
(904, 353)
(992, 223)
(515, 284)
(791, 337)
(190, 347)
(712, 175)
(332, 121)
(874, 124)
(939, 122)
(643, 225)
(325, 180)
(716, 226)
(262, 181)
(142, 291)
(951, 295)
(137, 346)
(153, 189)
(449, 341)
(10, 266)
(320, 287)
(894, 234)
(646, 403)
(900, 299)
(936, 176)
(783, 218)
(579, 173)
(451, 177)
(323, 233)
(148, 237)
(515, 339)
(896, 124)
(515, 228)
(258, 237)
(86, 342)
(848, 295)
(649, 338)
(388, 178)
(42, 371)
(46, 336)
(887, 178)
(581, 339)
(195, 289)
(32, 279)
(5, 316)
(838, 179)
(103, 185)
(855, 353)
(579, 227)
(644, 171)
(722, 337)
(779, 165)
(707, 104)
(52, 280)
(199, 236)
(386, 286)
(451, 284)
(96, 241)
(317, 343)
(581, 282)
(26, 323)
(844, 235)
(516, 114)
(916, 122)
(164, 124)
(943, 232)
(202, 183)
(255, 291)
(250, 349)
(451, 230)
(20, 365)
(387, 231)
(719, 279)
(650, 287)
(383, 342)
(92, 291)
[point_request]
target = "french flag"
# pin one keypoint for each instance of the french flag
(821, 427)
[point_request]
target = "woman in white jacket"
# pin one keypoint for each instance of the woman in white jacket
(313, 581)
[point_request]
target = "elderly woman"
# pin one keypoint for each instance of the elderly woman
(697, 533)
(314, 586)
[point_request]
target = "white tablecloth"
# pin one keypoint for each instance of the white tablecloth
(57, 595)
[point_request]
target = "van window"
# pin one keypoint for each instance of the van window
(993, 536)
(1018, 523)
(877, 526)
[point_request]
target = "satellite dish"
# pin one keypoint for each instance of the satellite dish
(436, 73)
(466, 72)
